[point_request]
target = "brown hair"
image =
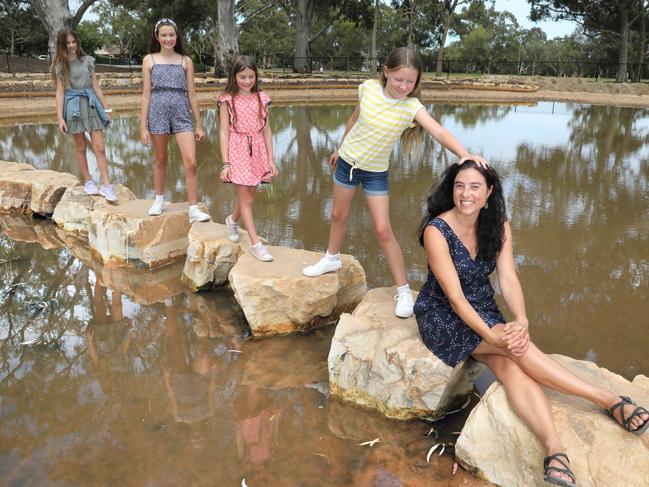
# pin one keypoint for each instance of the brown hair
(239, 64)
(406, 57)
(61, 54)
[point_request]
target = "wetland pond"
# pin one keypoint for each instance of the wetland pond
(116, 376)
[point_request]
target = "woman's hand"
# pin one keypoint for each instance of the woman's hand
(225, 175)
(63, 127)
(333, 159)
(511, 337)
(199, 135)
(479, 160)
(145, 138)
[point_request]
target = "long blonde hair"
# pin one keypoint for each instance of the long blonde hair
(406, 57)
(61, 55)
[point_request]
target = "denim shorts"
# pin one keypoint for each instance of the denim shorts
(373, 183)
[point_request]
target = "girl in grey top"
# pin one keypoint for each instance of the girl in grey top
(81, 107)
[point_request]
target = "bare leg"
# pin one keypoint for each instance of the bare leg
(97, 138)
(160, 149)
(246, 196)
(342, 205)
(528, 402)
(546, 371)
(187, 145)
(379, 207)
(82, 158)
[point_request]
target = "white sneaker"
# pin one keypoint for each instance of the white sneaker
(156, 207)
(261, 252)
(323, 266)
(196, 215)
(90, 188)
(233, 229)
(108, 192)
(404, 305)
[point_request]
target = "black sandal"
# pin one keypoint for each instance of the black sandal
(547, 470)
(626, 422)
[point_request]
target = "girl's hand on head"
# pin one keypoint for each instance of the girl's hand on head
(333, 159)
(199, 135)
(63, 127)
(145, 138)
(479, 160)
(225, 175)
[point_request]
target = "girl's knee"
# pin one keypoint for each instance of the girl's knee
(384, 233)
(191, 166)
(339, 215)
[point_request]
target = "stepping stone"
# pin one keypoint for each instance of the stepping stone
(211, 256)
(72, 213)
(378, 360)
(498, 446)
(277, 299)
(127, 234)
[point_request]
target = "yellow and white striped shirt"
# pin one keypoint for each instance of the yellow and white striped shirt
(380, 123)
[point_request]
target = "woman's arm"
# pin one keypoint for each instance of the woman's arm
(193, 100)
(100, 95)
(510, 286)
(60, 94)
(333, 159)
(268, 140)
(224, 134)
(146, 99)
(444, 137)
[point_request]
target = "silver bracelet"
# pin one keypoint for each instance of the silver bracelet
(226, 166)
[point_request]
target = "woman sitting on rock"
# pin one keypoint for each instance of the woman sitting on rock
(466, 236)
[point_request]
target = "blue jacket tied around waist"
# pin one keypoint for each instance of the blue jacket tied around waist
(71, 103)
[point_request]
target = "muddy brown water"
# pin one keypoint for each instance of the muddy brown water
(115, 376)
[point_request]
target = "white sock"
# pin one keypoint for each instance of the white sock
(193, 208)
(329, 256)
(403, 289)
(160, 198)
(258, 244)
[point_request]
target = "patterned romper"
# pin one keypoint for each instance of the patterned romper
(169, 105)
(246, 146)
(441, 329)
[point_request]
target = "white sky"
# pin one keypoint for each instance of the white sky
(521, 9)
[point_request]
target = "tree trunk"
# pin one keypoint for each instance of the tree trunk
(303, 19)
(375, 28)
(623, 53)
(226, 46)
(642, 45)
(55, 14)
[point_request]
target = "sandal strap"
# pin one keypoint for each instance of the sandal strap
(624, 420)
(557, 457)
(565, 471)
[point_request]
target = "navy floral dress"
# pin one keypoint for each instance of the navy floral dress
(441, 329)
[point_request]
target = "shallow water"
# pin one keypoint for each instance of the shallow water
(123, 388)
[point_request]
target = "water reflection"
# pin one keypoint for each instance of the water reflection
(111, 375)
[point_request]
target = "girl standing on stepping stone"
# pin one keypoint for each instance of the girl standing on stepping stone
(81, 107)
(388, 109)
(466, 236)
(246, 147)
(168, 97)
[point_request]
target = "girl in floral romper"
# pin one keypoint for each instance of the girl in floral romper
(246, 147)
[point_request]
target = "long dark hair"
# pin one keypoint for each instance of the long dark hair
(154, 45)
(61, 54)
(239, 64)
(491, 221)
(406, 57)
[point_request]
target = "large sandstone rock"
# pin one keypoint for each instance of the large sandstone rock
(276, 298)
(22, 228)
(126, 233)
(378, 360)
(500, 448)
(35, 190)
(210, 255)
(73, 210)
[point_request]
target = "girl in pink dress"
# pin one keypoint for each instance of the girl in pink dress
(246, 147)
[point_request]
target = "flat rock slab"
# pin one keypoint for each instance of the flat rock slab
(500, 448)
(32, 190)
(277, 299)
(23, 228)
(211, 256)
(378, 360)
(72, 213)
(127, 234)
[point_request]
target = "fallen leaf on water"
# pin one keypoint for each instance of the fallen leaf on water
(243, 483)
(454, 468)
(322, 455)
(431, 451)
(235, 351)
(29, 342)
(442, 450)
(432, 430)
(370, 443)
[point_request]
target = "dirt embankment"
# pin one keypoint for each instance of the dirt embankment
(29, 96)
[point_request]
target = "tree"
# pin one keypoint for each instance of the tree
(20, 30)
(121, 26)
(448, 8)
(56, 14)
(598, 17)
